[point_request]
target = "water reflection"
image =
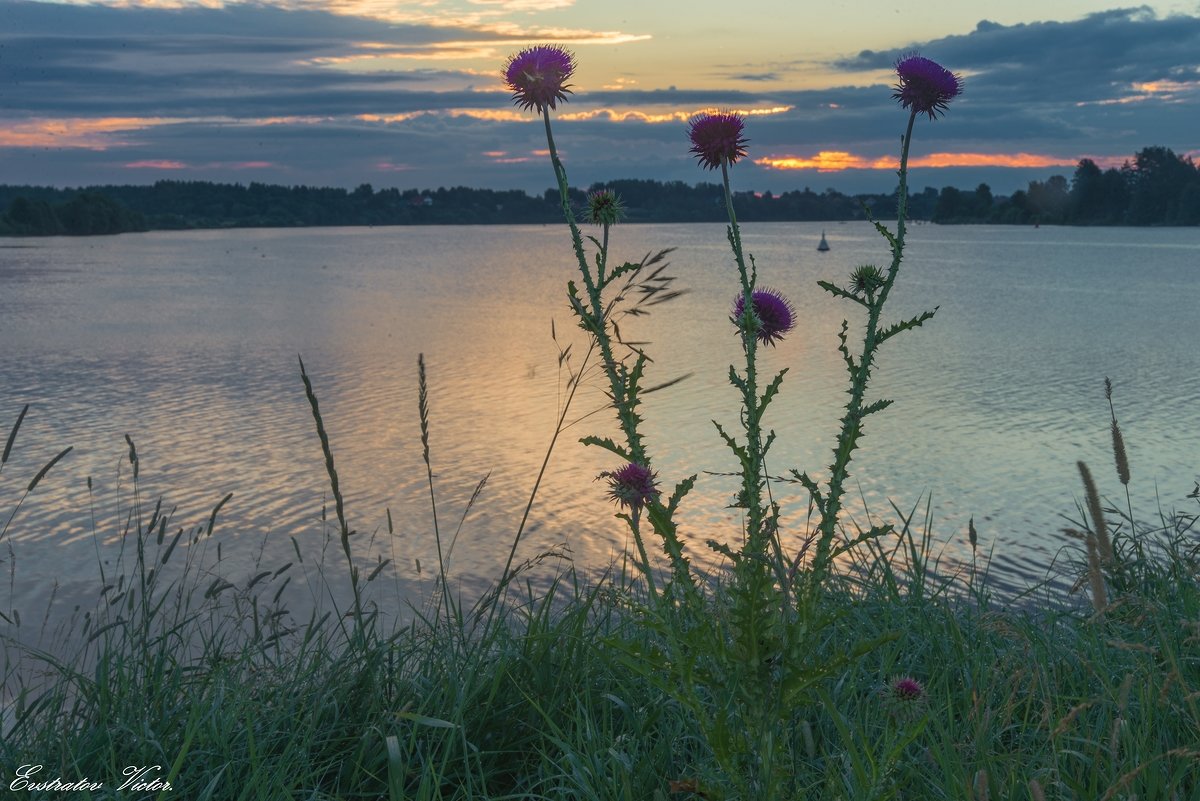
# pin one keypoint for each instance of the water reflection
(188, 343)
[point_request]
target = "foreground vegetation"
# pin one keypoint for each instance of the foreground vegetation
(830, 662)
(1042, 697)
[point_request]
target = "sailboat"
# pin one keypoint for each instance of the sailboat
(824, 245)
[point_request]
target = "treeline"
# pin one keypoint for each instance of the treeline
(83, 213)
(172, 205)
(1157, 188)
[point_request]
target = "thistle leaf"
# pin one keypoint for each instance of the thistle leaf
(877, 406)
(836, 290)
(608, 445)
(681, 490)
(906, 325)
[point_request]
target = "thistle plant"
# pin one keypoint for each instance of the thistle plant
(537, 77)
(923, 87)
(741, 658)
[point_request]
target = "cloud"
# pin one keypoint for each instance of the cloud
(156, 164)
(317, 95)
(525, 5)
(837, 160)
(755, 76)
(1103, 55)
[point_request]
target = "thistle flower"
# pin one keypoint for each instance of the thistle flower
(775, 314)
(604, 207)
(717, 138)
(904, 697)
(925, 86)
(633, 486)
(906, 688)
(537, 76)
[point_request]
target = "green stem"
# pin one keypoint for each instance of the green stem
(597, 321)
(860, 376)
(597, 318)
(753, 478)
(603, 254)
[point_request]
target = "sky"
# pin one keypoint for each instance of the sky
(409, 93)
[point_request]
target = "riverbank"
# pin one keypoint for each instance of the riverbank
(918, 690)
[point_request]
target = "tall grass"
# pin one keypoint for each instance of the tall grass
(218, 690)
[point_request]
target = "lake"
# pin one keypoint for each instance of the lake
(188, 343)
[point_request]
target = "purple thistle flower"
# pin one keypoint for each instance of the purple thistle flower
(925, 86)
(906, 689)
(903, 698)
(717, 138)
(632, 486)
(537, 76)
(776, 314)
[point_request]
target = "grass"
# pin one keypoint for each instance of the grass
(223, 695)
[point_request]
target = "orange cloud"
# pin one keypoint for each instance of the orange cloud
(157, 164)
(89, 134)
(1166, 91)
(665, 116)
(991, 160)
(377, 54)
(105, 132)
(825, 161)
(492, 115)
(610, 114)
(837, 160)
(1165, 87)
(172, 164)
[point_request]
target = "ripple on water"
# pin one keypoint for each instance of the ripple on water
(188, 342)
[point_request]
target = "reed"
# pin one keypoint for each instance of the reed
(211, 676)
(1099, 527)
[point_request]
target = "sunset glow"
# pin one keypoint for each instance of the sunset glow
(160, 164)
(172, 164)
(341, 92)
(836, 161)
(90, 134)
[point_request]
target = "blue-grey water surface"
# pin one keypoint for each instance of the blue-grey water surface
(188, 343)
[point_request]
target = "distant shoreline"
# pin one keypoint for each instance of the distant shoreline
(1158, 188)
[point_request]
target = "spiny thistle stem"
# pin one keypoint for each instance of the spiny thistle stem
(603, 252)
(752, 480)
(852, 421)
(596, 316)
(596, 319)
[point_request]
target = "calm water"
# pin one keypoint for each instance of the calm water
(188, 342)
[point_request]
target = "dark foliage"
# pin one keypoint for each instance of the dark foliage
(1157, 188)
